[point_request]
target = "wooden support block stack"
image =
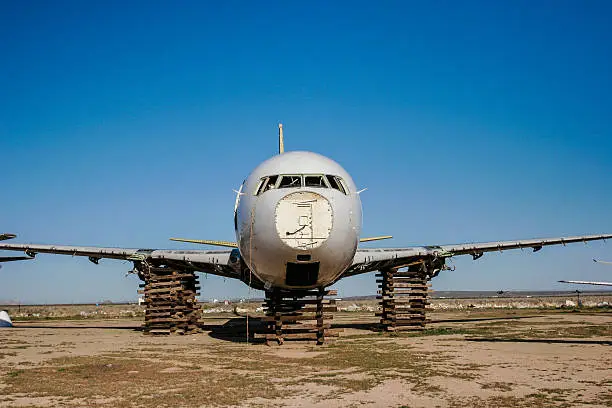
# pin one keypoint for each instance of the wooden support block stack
(299, 315)
(170, 301)
(403, 299)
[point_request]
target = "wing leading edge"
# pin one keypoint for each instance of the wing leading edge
(368, 260)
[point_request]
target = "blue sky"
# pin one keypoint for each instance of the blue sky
(125, 124)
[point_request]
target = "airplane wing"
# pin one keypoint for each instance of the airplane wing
(216, 262)
(14, 258)
(586, 282)
(376, 259)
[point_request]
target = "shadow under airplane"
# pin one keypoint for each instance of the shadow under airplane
(484, 319)
(545, 341)
(101, 326)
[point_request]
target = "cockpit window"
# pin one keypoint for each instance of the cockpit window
(315, 181)
(261, 185)
(265, 184)
(290, 181)
(271, 183)
(295, 181)
(336, 183)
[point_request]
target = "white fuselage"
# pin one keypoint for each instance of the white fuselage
(298, 221)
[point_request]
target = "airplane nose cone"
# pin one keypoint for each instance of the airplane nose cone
(304, 220)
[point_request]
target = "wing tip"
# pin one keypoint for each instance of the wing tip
(5, 236)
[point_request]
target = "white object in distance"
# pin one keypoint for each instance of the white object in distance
(5, 320)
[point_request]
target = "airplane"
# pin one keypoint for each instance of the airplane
(4, 237)
(578, 282)
(586, 282)
(297, 221)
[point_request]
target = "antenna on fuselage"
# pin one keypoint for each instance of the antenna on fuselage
(281, 141)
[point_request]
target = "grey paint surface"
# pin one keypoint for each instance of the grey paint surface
(367, 260)
(264, 251)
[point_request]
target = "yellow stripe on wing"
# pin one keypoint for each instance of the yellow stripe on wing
(375, 238)
(207, 242)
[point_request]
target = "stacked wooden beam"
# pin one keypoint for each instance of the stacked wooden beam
(299, 315)
(170, 301)
(404, 297)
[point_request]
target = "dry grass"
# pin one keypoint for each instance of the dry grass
(133, 382)
(500, 386)
(228, 374)
(4, 354)
(195, 371)
(536, 400)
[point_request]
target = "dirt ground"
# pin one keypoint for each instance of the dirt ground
(486, 358)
